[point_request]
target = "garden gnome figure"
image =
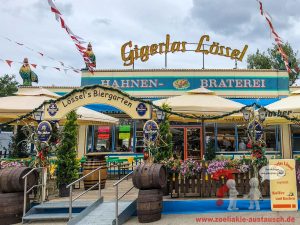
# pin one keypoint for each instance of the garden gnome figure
(27, 74)
(232, 194)
(254, 194)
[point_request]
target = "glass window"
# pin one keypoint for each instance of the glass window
(270, 138)
(193, 143)
(124, 138)
(242, 137)
(99, 138)
(178, 142)
(209, 132)
(226, 137)
(89, 139)
(295, 129)
(139, 140)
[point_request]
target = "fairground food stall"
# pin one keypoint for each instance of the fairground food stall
(243, 86)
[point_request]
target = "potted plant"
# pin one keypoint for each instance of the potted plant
(67, 164)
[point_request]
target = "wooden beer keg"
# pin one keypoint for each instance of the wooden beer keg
(149, 176)
(11, 179)
(149, 205)
(93, 179)
(11, 207)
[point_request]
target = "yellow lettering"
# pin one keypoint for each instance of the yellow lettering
(235, 53)
(167, 42)
(200, 44)
(228, 51)
(136, 51)
(214, 48)
(183, 49)
(221, 50)
(175, 47)
(153, 49)
(144, 53)
(243, 53)
(130, 57)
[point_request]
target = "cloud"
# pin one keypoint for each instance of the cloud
(109, 24)
(102, 21)
(242, 18)
(42, 7)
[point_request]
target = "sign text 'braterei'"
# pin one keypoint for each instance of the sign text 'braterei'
(143, 53)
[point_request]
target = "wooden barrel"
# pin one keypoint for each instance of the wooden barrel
(149, 205)
(11, 207)
(149, 176)
(93, 179)
(11, 179)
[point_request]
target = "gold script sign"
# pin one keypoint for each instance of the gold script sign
(129, 55)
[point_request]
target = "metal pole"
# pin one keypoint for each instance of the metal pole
(203, 140)
(166, 61)
(99, 186)
(203, 58)
(70, 203)
(25, 196)
(117, 209)
(43, 184)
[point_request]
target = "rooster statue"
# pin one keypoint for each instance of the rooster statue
(27, 74)
(90, 54)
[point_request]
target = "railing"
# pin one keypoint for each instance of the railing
(78, 180)
(116, 185)
(36, 185)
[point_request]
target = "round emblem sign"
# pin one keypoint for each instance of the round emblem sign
(141, 109)
(150, 131)
(44, 130)
(52, 109)
(258, 130)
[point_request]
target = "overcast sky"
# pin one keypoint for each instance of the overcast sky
(110, 23)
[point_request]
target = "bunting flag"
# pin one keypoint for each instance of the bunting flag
(277, 38)
(10, 62)
(40, 53)
(78, 41)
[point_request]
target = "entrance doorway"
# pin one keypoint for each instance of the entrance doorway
(187, 142)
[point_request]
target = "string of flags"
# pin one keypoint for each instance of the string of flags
(34, 65)
(42, 54)
(77, 40)
(276, 37)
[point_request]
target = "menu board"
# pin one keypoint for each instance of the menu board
(283, 186)
(124, 132)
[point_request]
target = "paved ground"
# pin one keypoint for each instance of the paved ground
(109, 195)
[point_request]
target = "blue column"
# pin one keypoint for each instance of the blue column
(93, 138)
(216, 136)
(113, 138)
(134, 136)
(276, 138)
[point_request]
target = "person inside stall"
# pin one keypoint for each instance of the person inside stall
(124, 148)
(226, 143)
(102, 149)
(242, 145)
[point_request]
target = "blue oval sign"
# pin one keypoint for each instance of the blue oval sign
(44, 131)
(141, 109)
(150, 131)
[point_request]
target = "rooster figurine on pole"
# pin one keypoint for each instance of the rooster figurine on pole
(27, 74)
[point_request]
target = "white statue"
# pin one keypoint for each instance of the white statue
(254, 193)
(232, 194)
